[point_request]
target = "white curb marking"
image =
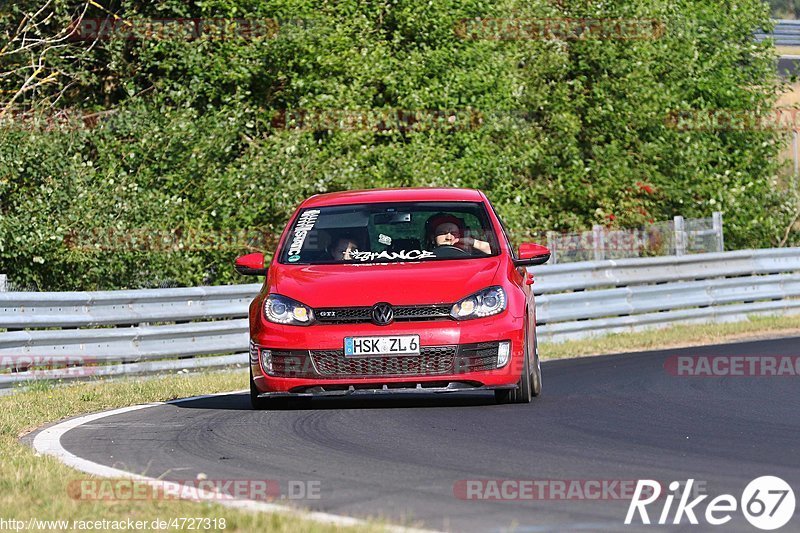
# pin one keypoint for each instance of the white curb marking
(48, 441)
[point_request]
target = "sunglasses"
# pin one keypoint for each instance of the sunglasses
(454, 233)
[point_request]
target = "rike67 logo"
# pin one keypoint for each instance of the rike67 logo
(767, 502)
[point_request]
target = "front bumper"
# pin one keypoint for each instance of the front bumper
(453, 386)
(454, 356)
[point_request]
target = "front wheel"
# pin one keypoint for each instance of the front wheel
(536, 374)
(260, 404)
(524, 392)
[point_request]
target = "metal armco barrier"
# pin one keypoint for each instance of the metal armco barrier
(144, 331)
(593, 298)
(84, 309)
(786, 33)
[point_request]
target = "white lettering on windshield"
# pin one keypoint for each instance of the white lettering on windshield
(403, 255)
(304, 224)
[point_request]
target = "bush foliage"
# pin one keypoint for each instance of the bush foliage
(171, 134)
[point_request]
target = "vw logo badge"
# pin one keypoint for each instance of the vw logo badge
(382, 314)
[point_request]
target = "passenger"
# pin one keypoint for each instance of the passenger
(448, 230)
(344, 248)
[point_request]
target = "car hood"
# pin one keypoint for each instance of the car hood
(365, 284)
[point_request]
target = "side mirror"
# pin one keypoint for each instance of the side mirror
(531, 254)
(251, 265)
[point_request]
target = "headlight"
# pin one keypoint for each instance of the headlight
(282, 310)
(483, 303)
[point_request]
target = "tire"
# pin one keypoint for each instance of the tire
(536, 371)
(260, 404)
(524, 391)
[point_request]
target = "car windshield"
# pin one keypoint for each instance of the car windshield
(390, 232)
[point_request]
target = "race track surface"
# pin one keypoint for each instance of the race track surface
(621, 417)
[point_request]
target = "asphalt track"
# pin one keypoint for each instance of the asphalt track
(788, 66)
(621, 417)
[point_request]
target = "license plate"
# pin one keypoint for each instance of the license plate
(400, 345)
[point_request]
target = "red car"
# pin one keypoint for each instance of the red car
(394, 290)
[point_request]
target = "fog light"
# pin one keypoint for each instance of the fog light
(266, 361)
(503, 353)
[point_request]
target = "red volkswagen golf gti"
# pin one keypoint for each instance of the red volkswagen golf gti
(394, 290)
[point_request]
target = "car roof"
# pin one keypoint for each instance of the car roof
(412, 194)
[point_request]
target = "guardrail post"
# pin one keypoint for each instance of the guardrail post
(680, 235)
(3, 283)
(796, 159)
(717, 224)
(639, 242)
(598, 242)
(552, 244)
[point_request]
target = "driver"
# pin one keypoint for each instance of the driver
(448, 230)
(344, 248)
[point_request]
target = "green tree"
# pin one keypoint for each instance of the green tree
(189, 134)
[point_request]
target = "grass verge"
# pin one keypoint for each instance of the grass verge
(675, 337)
(34, 487)
(788, 50)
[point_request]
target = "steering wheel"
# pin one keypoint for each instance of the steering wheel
(447, 250)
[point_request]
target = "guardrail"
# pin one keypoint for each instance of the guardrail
(138, 331)
(583, 299)
(786, 33)
(86, 309)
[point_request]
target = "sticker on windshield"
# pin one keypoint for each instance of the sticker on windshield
(403, 255)
(384, 239)
(294, 258)
(304, 224)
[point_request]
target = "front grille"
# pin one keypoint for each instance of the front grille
(422, 312)
(343, 315)
(432, 361)
(402, 313)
